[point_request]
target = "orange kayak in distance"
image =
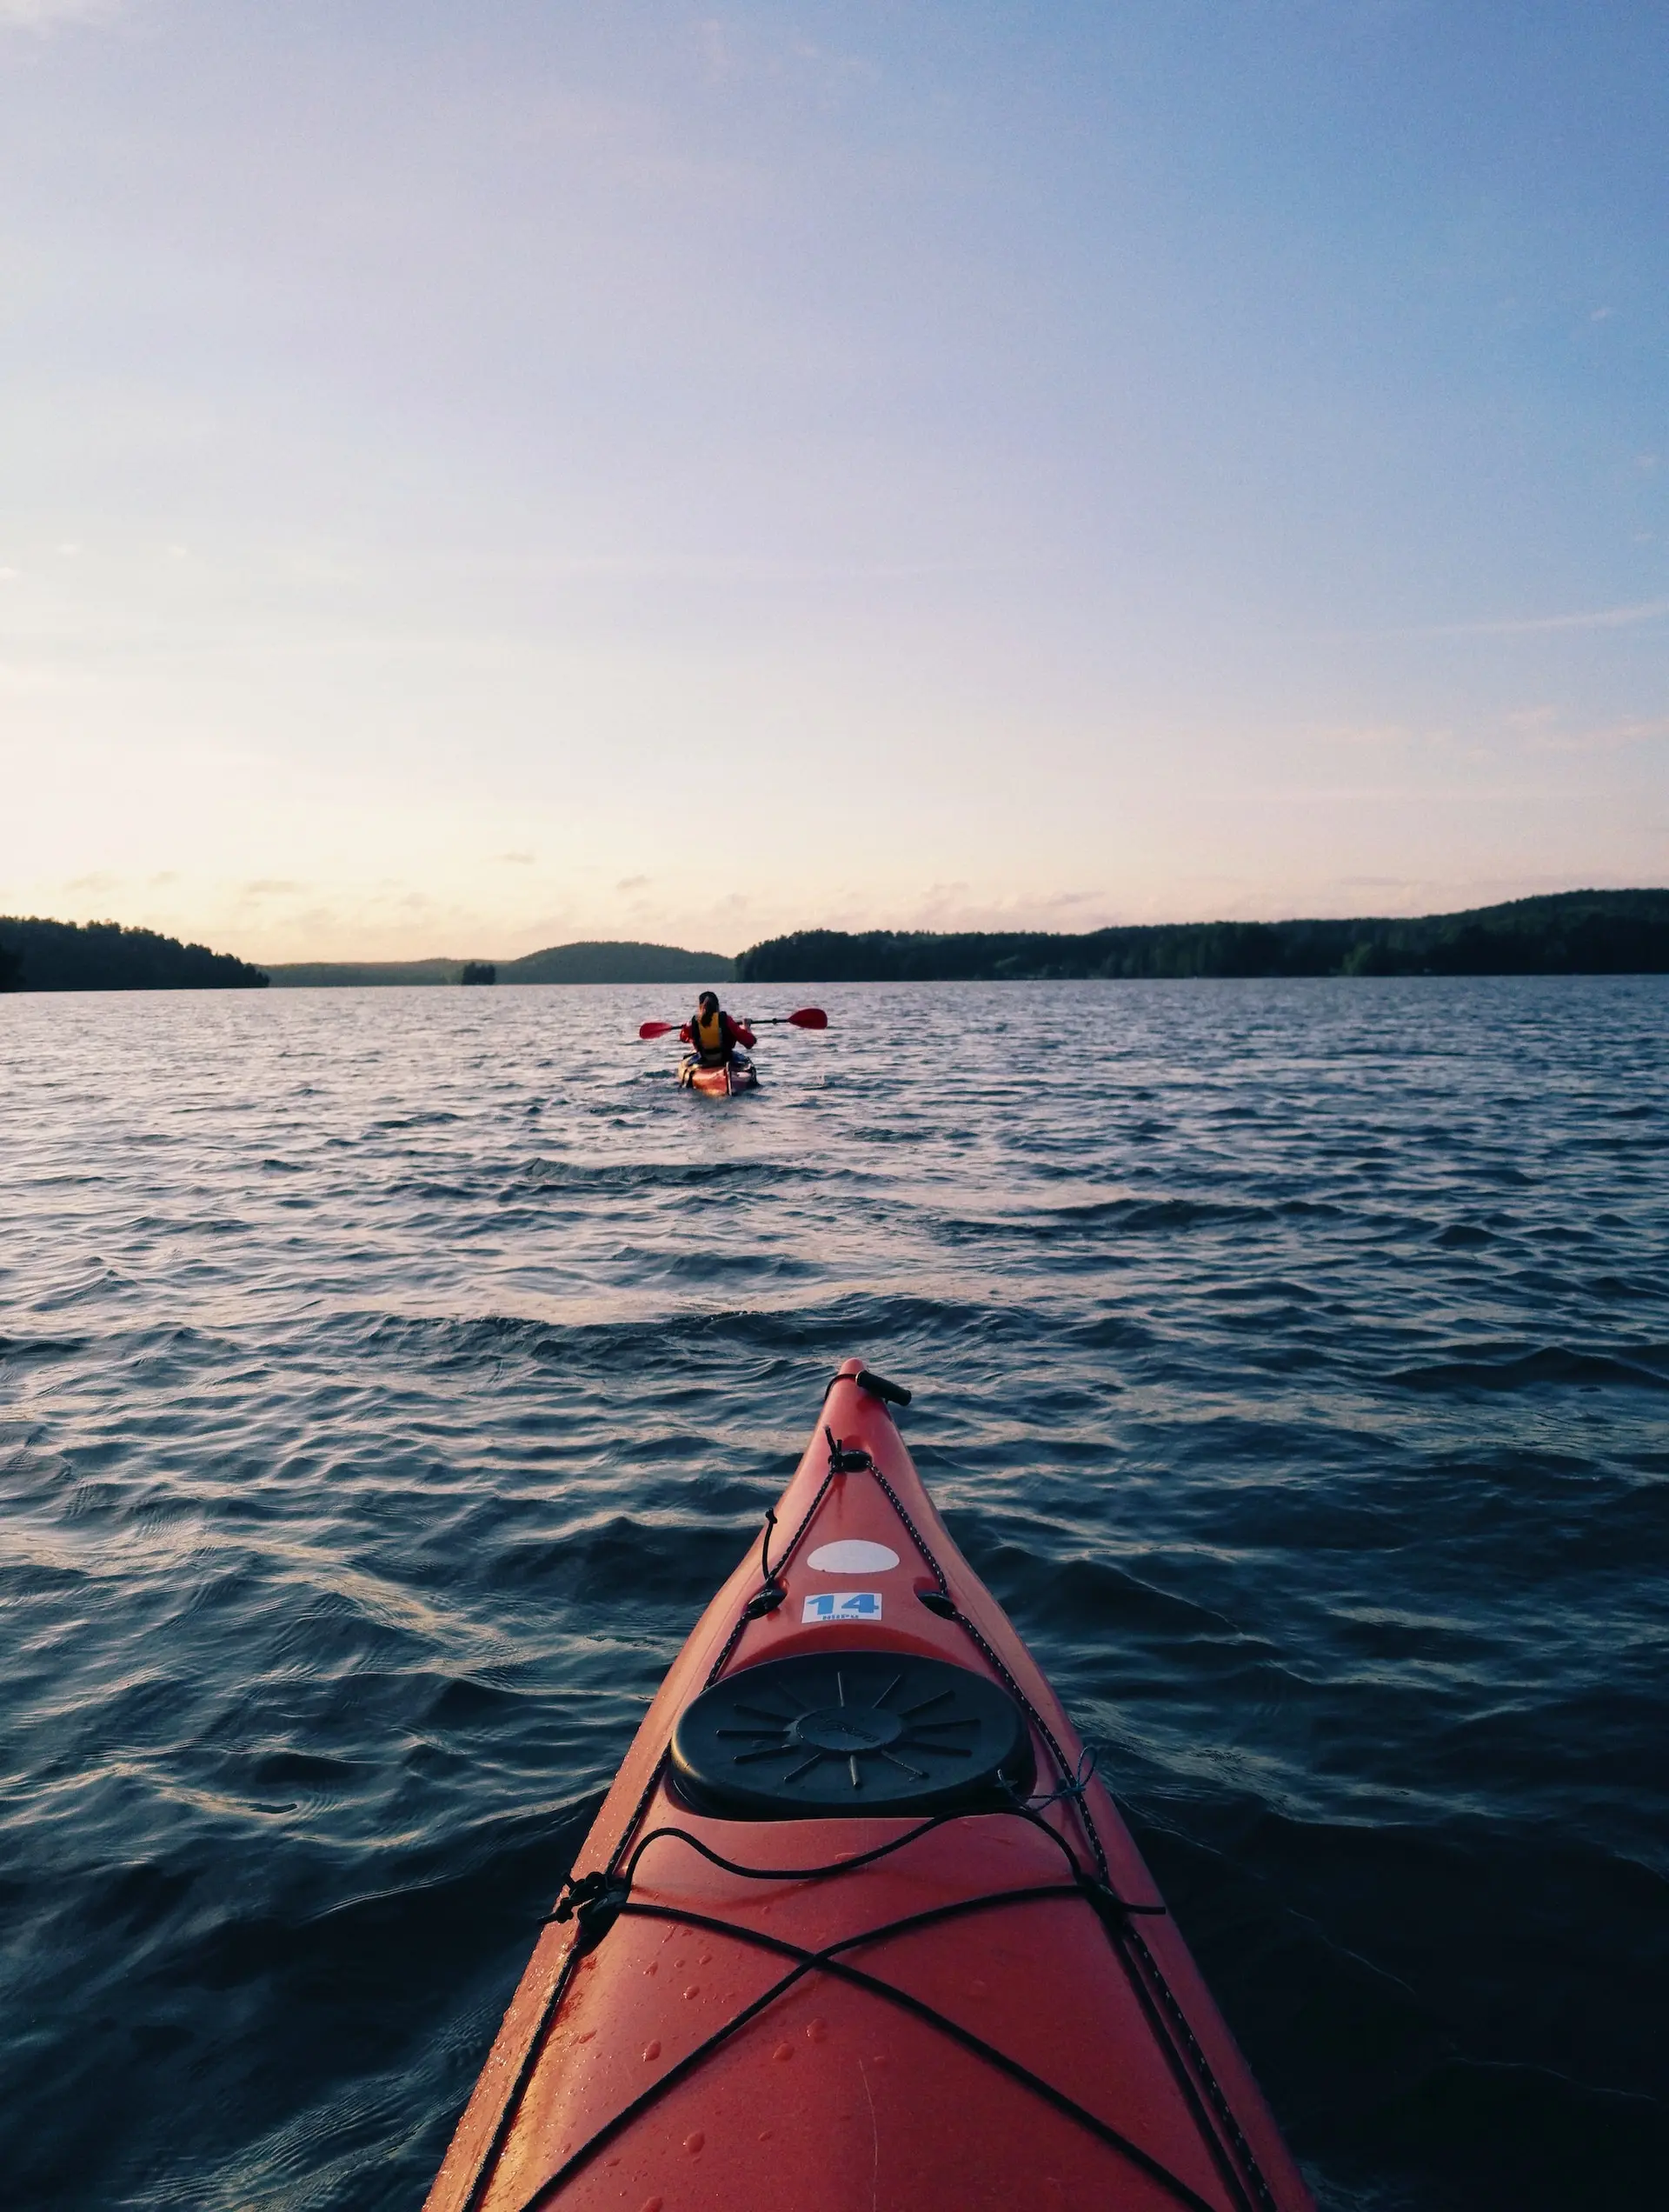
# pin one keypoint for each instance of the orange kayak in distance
(857, 1929)
(723, 1082)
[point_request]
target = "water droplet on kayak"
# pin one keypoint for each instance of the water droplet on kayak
(585, 2035)
(652, 2050)
(693, 2144)
(654, 2204)
(706, 1959)
(977, 1988)
(817, 2031)
(694, 1990)
(783, 2050)
(654, 1967)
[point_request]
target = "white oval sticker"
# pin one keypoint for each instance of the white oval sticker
(852, 1556)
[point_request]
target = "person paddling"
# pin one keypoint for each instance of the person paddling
(714, 1037)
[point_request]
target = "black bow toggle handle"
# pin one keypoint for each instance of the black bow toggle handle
(879, 1387)
(844, 1459)
(595, 1900)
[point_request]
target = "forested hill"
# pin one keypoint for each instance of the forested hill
(1570, 933)
(609, 962)
(103, 956)
(619, 961)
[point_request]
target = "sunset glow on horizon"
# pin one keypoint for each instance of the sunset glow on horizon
(480, 479)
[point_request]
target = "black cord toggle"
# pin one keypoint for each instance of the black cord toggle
(1111, 1909)
(595, 1900)
(844, 1459)
(1073, 1786)
(771, 1593)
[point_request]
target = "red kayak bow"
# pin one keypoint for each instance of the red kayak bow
(856, 1929)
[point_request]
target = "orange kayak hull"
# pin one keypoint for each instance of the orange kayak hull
(994, 2010)
(718, 1082)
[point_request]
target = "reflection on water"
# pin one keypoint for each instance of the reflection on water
(387, 1378)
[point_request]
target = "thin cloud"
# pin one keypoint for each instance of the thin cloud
(517, 859)
(1649, 610)
(719, 569)
(1613, 737)
(42, 16)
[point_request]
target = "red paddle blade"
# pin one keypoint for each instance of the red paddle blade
(655, 1028)
(810, 1017)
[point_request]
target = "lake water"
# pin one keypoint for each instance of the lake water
(387, 1378)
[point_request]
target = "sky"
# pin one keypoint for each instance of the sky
(476, 476)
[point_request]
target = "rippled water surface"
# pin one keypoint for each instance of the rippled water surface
(387, 1378)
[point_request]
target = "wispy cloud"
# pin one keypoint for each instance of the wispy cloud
(1609, 737)
(1648, 610)
(41, 16)
(720, 568)
(517, 859)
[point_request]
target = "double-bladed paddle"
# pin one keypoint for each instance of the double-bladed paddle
(804, 1017)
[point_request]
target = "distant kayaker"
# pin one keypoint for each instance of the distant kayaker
(713, 1034)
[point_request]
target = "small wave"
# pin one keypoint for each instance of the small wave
(1645, 1368)
(1627, 1288)
(590, 1179)
(1132, 1217)
(19, 1350)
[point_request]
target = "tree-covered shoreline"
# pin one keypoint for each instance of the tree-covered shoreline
(1564, 933)
(591, 961)
(41, 955)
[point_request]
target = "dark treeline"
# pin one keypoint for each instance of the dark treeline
(592, 961)
(1570, 933)
(103, 956)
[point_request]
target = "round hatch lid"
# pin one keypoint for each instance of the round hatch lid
(827, 1737)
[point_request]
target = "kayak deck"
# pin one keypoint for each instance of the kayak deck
(796, 2009)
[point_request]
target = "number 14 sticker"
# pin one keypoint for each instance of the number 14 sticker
(843, 1605)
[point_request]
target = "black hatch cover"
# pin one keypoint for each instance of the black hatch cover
(851, 1732)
